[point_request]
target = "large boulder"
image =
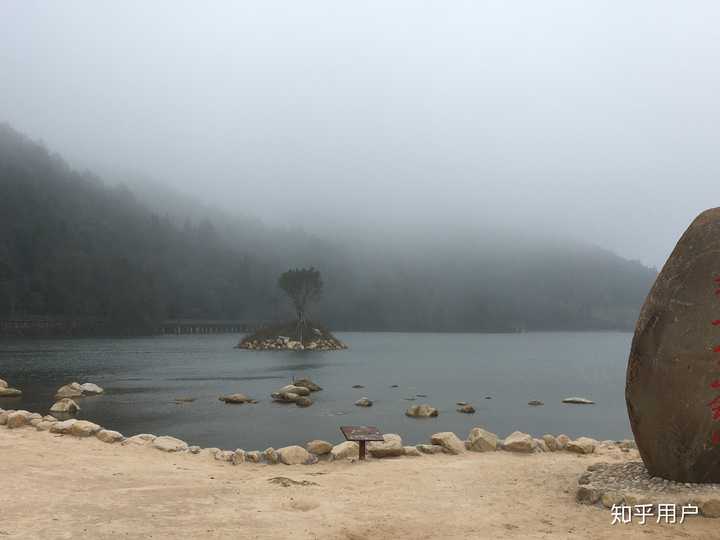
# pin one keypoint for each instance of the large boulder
(345, 450)
(480, 440)
(449, 441)
(421, 411)
(169, 444)
(673, 377)
(391, 446)
(307, 383)
(65, 405)
(518, 441)
(143, 439)
(294, 455)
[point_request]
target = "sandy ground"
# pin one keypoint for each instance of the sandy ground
(61, 487)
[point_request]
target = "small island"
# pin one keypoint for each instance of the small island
(302, 286)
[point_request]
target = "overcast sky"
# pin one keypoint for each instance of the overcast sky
(598, 120)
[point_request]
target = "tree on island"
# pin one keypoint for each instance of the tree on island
(302, 285)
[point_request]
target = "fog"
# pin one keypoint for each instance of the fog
(595, 121)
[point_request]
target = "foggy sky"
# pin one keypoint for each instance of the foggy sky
(597, 120)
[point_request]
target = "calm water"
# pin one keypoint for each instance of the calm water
(144, 376)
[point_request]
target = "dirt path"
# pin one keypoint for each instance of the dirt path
(63, 487)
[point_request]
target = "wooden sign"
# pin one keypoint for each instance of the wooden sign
(361, 435)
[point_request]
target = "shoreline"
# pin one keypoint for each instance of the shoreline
(69, 487)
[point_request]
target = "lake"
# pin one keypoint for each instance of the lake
(143, 377)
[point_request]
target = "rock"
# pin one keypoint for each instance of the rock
(411, 451)
(294, 455)
(358, 386)
(3, 384)
(578, 401)
(583, 445)
(43, 425)
(391, 446)
(482, 441)
(143, 439)
(83, 428)
(303, 401)
(319, 448)
(611, 498)
(91, 388)
(292, 389)
(535, 403)
(562, 441)
(307, 383)
(253, 457)
(673, 367)
(394, 386)
(540, 446)
(65, 405)
(345, 450)
(430, 448)
(194, 449)
(271, 456)
(449, 441)
(519, 442)
(109, 436)
(236, 398)
(363, 402)
(238, 457)
(34, 416)
(284, 397)
(421, 411)
(10, 392)
(35, 421)
(3, 417)
(587, 495)
(227, 455)
(550, 442)
(627, 444)
(71, 390)
(467, 409)
(63, 427)
(169, 444)
(49, 418)
(710, 508)
(17, 419)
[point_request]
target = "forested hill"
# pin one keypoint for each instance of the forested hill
(74, 247)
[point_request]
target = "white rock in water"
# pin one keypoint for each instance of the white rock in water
(109, 436)
(10, 392)
(449, 441)
(421, 411)
(65, 405)
(518, 441)
(3, 384)
(83, 428)
(319, 448)
(91, 388)
(480, 440)
(578, 400)
(292, 389)
(345, 450)
(143, 439)
(583, 445)
(169, 444)
(391, 446)
(364, 402)
(294, 455)
(62, 427)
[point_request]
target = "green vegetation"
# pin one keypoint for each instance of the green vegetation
(73, 247)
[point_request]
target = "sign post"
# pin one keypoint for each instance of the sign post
(361, 435)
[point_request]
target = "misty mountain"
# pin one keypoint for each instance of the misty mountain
(73, 246)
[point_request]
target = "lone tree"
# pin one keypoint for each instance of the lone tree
(302, 285)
